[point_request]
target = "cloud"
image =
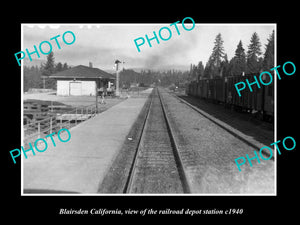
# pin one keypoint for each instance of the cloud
(103, 44)
(174, 52)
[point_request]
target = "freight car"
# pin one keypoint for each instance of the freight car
(222, 91)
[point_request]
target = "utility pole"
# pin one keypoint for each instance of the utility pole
(97, 96)
(44, 81)
(117, 77)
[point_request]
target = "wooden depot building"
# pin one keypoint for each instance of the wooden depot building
(82, 81)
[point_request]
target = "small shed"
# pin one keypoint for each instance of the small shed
(82, 81)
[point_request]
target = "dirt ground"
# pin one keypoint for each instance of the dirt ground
(244, 122)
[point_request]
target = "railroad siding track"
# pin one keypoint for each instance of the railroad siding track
(208, 151)
(243, 137)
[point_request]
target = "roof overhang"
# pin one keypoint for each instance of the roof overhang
(78, 77)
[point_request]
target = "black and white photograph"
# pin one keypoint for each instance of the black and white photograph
(148, 109)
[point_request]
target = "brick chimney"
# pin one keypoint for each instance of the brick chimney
(90, 65)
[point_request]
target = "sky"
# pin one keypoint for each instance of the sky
(102, 44)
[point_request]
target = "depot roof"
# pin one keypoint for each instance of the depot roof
(83, 72)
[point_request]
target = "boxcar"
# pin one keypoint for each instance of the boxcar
(248, 100)
(222, 90)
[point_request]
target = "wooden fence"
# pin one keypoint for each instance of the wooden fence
(41, 128)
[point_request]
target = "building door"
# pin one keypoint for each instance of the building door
(75, 88)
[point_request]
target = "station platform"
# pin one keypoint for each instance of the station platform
(79, 165)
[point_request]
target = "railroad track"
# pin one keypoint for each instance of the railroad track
(156, 167)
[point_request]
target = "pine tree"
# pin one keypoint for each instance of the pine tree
(191, 72)
(238, 62)
(225, 67)
(208, 68)
(213, 66)
(65, 66)
(49, 67)
(253, 55)
(268, 61)
(47, 70)
(59, 67)
(218, 51)
(194, 73)
(200, 70)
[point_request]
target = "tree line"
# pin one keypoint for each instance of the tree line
(33, 74)
(251, 62)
